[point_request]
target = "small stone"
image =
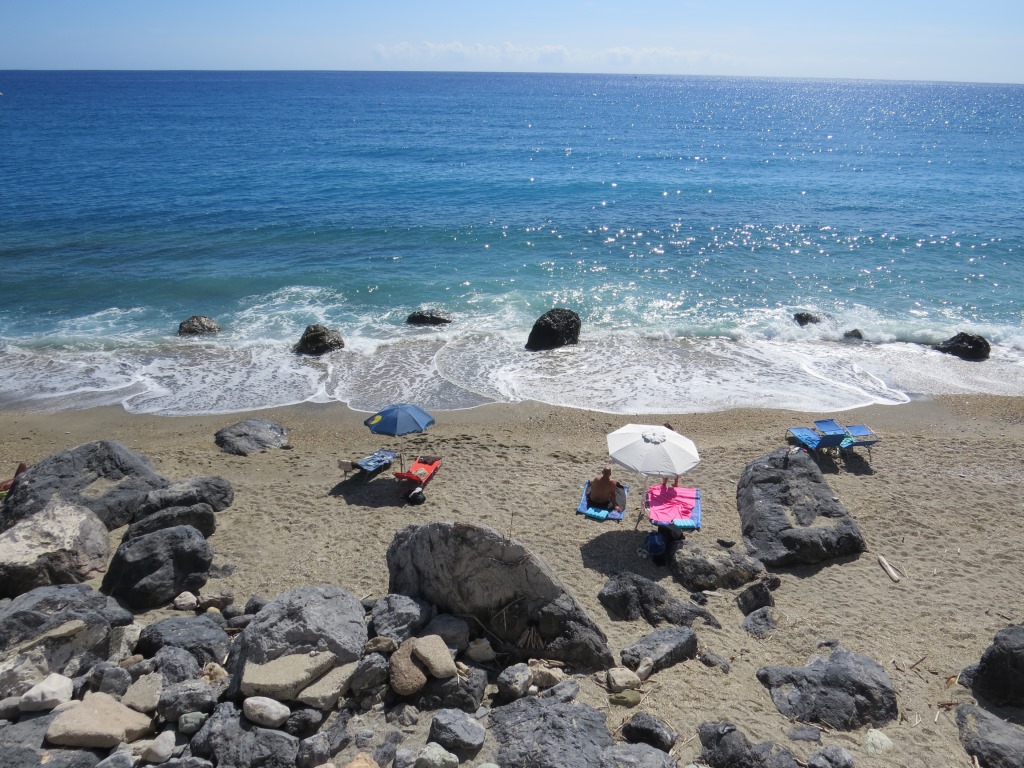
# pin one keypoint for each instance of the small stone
(436, 657)
(435, 756)
(876, 742)
(514, 682)
(51, 691)
(805, 733)
(186, 601)
(480, 650)
(405, 715)
(213, 673)
(625, 698)
(219, 600)
(381, 644)
(404, 758)
(160, 749)
(191, 722)
(364, 737)
(405, 672)
(545, 675)
(621, 679)
(265, 711)
(645, 668)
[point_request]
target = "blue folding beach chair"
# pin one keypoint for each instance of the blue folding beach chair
(368, 466)
(860, 436)
(827, 437)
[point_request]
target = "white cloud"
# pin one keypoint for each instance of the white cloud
(511, 56)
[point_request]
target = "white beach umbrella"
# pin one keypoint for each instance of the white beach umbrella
(652, 450)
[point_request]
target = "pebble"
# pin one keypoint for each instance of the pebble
(266, 711)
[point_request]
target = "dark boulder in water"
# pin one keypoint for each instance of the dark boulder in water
(854, 334)
(555, 328)
(806, 318)
(967, 346)
(197, 325)
(428, 317)
(318, 340)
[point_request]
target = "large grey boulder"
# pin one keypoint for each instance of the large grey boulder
(214, 491)
(318, 340)
(201, 636)
(846, 691)
(636, 756)
(628, 596)
(60, 544)
(665, 647)
(999, 676)
(790, 515)
(399, 616)
(104, 476)
(542, 733)
(723, 746)
(251, 436)
(65, 629)
(228, 739)
(555, 328)
(472, 570)
(465, 693)
(698, 567)
(992, 740)
(153, 569)
(457, 731)
(645, 728)
(310, 619)
(199, 516)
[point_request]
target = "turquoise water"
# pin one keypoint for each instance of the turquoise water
(684, 219)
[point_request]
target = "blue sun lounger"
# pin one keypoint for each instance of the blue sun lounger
(828, 436)
(599, 513)
(369, 465)
(860, 436)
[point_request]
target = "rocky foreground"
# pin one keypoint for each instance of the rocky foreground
(477, 652)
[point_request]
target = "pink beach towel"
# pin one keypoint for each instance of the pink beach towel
(668, 505)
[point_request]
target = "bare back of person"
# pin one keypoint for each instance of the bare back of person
(602, 490)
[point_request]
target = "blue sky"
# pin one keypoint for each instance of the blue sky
(897, 40)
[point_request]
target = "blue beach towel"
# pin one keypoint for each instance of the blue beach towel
(599, 513)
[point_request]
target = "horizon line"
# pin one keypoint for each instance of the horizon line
(515, 72)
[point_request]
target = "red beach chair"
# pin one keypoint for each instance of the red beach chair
(421, 470)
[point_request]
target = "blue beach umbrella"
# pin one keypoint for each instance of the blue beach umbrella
(399, 419)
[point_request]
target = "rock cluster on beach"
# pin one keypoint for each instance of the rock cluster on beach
(478, 651)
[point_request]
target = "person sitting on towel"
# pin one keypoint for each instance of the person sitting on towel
(602, 491)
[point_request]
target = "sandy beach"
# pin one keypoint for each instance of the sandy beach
(939, 498)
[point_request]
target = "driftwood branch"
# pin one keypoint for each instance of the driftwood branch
(889, 570)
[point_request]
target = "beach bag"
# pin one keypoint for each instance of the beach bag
(416, 496)
(654, 545)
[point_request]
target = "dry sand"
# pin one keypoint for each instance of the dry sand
(940, 498)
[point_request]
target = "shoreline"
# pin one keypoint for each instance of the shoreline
(938, 498)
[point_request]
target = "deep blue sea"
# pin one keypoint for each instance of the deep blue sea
(685, 219)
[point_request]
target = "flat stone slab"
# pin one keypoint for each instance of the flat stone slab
(286, 676)
(99, 721)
